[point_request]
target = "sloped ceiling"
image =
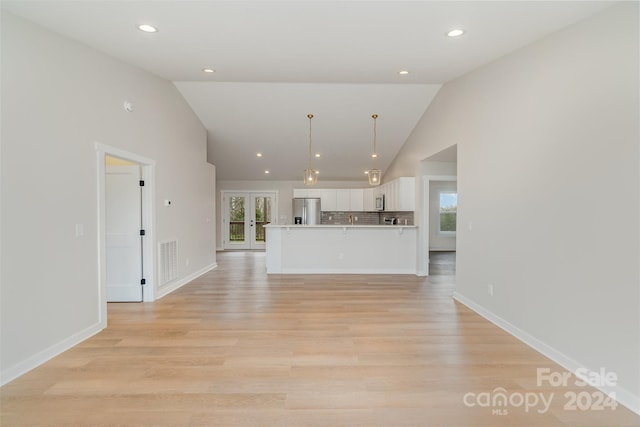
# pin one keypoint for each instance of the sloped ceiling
(277, 61)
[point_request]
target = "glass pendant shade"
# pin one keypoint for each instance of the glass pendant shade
(310, 177)
(374, 176)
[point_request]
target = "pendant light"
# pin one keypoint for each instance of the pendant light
(374, 174)
(310, 174)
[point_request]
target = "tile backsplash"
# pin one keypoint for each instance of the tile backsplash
(365, 218)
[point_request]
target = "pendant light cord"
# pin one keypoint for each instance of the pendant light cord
(310, 116)
(375, 153)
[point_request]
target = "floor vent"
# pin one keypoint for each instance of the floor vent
(168, 253)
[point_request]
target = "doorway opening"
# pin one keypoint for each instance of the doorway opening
(126, 239)
(437, 231)
(244, 216)
(443, 208)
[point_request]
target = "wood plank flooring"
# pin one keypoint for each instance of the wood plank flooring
(442, 263)
(239, 348)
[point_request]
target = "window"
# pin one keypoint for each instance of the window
(448, 212)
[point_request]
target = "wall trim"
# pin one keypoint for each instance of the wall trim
(49, 353)
(149, 220)
(622, 396)
(408, 271)
(166, 290)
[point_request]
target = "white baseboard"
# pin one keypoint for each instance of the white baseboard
(622, 396)
(344, 271)
(49, 353)
(167, 289)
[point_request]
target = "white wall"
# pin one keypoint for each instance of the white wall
(285, 195)
(549, 190)
(58, 98)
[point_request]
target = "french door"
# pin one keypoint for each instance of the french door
(245, 215)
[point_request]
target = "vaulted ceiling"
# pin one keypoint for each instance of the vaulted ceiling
(277, 61)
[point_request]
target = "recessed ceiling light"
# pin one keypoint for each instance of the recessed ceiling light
(318, 155)
(403, 72)
(258, 154)
(208, 70)
(266, 171)
(456, 32)
(147, 28)
(317, 172)
(366, 172)
(374, 155)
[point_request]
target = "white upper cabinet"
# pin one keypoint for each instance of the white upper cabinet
(368, 200)
(343, 200)
(406, 194)
(399, 195)
(356, 202)
(328, 199)
(307, 192)
(300, 192)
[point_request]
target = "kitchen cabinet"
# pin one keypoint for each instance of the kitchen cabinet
(328, 199)
(406, 194)
(307, 192)
(299, 192)
(368, 200)
(399, 196)
(343, 200)
(327, 196)
(356, 202)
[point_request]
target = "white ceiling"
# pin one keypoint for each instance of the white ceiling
(277, 61)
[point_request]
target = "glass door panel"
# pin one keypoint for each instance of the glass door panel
(262, 215)
(244, 218)
(236, 225)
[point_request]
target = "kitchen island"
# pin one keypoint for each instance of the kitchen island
(341, 249)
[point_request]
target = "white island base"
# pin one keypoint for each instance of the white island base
(341, 249)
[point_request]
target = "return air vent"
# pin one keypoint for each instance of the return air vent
(168, 253)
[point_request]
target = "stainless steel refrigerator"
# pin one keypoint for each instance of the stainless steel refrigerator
(306, 211)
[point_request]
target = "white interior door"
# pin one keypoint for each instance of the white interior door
(245, 215)
(123, 222)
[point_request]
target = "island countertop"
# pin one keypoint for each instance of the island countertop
(341, 249)
(338, 226)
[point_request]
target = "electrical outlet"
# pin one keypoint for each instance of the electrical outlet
(490, 289)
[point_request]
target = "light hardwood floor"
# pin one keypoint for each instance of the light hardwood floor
(238, 348)
(442, 263)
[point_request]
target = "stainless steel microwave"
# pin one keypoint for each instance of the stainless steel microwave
(380, 202)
